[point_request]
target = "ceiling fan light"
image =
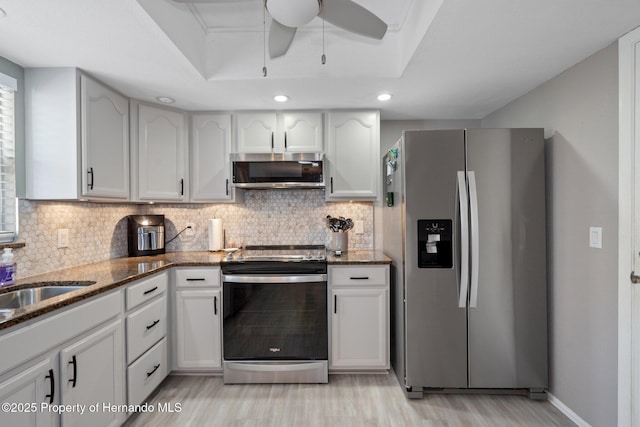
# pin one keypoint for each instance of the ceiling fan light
(293, 13)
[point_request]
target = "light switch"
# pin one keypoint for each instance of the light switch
(595, 237)
(63, 238)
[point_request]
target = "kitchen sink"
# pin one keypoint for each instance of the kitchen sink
(32, 295)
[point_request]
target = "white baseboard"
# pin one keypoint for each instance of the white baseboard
(567, 411)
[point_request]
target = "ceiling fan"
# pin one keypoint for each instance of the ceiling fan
(288, 15)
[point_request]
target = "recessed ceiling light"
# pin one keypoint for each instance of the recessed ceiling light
(165, 99)
(384, 97)
(281, 98)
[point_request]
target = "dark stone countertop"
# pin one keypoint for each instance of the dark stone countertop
(110, 274)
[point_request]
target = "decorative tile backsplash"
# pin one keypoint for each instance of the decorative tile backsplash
(98, 231)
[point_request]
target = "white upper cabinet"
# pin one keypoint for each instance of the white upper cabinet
(302, 132)
(270, 132)
(210, 149)
(353, 155)
(161, 155)
(255, 132)
(105, 141)
(77, 137)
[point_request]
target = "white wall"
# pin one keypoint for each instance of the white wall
(579, 111)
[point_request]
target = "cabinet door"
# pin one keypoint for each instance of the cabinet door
(162, 154)
(92, 371)
(210, 149)
(303, 132)
(359, 329)
(255, 132)
(28, 390)
(105, 141)
(353, 154)
(198, 341)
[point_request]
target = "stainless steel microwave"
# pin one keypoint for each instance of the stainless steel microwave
(278, 170)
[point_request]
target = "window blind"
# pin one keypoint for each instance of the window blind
(8, 201)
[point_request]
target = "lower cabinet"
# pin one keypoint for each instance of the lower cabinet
(26, 392)
(91, 372)
(73, 358)
(359, 304)
(147, 326)
(198, 314)
(146, 373)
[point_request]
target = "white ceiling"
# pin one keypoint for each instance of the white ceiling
(440, 58)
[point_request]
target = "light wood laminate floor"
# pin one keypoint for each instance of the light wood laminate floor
(348, 400)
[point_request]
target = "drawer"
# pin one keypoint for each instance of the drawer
(197, 277)
(145, 327)
(146, 289)
(146, 373)
(356, 275)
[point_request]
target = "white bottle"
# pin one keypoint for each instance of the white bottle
(7, 268)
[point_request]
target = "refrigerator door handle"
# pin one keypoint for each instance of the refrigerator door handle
(475, 245)
(464, 240)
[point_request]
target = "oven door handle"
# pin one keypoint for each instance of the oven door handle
(274, 278)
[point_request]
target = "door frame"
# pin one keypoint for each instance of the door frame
(628, 229)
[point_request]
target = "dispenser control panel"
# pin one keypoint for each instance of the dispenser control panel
(435, 243)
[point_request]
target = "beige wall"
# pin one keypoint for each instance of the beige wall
(579, 111)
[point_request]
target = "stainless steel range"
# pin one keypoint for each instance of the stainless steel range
(275, 315)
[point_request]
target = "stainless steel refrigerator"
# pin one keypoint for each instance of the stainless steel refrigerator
(464, 223)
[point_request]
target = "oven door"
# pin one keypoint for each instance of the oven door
(275, 317)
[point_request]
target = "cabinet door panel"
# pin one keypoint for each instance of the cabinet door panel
(92, 371)
(255, 132)
(210, 149)
(31, 386)
(198, 338)
(359, 328)
(161, 154)
(353, 154)
(303, 132)
(105, 141)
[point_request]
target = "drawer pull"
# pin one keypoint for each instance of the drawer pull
(359, 278)
(150, 290)
(75, 371)
(196, 279)
(155, 368)
(155, 322)
(52, 385)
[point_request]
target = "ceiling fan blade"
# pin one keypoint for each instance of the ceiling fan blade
(280, 38)
(206, 1)
(352, 17)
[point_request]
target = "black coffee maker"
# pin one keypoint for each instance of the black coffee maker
(145, 235)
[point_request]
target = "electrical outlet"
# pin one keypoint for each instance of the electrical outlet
(191, 229)
(63, 238)
(358, 226)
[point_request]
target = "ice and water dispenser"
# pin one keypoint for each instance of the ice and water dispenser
(435, 243)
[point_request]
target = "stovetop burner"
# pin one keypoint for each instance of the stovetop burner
(294, 259)
(280, 253)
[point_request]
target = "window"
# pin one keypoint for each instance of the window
(8, 202)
